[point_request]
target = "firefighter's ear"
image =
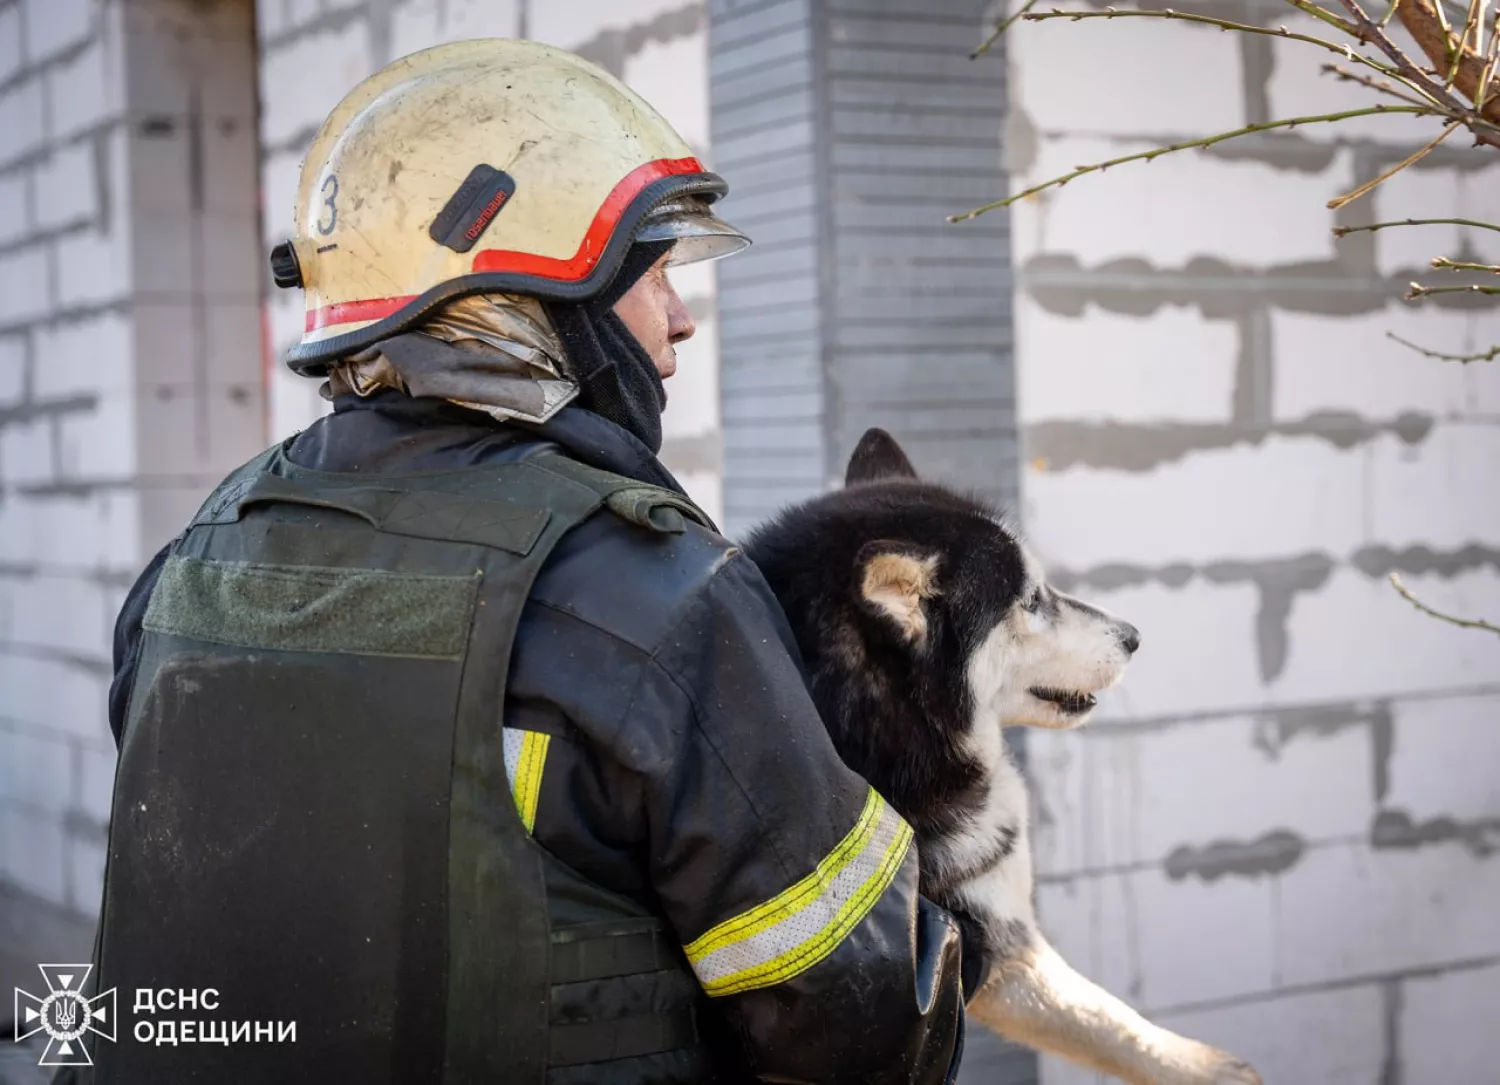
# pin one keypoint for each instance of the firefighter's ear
(895, 580)
(877, 457)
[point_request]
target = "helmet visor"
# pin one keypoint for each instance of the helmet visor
(699, 233)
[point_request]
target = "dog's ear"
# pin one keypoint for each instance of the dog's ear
(894, 580)
(876, 457)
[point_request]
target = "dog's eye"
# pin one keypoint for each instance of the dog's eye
(1033, 602)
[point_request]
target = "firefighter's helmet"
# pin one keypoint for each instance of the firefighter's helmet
(486, 166)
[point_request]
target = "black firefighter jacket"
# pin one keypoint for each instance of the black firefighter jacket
(686, 768)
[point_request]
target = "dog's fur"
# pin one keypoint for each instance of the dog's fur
(926, 627)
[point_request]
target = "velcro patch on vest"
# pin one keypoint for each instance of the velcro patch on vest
(314, 609)
(469, 211)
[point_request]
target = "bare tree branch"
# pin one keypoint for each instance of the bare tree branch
(1465, 623)
(1001, 28)
(1363, 80)
(1346, 51)
(1341, 231)
(1488, 356)
(1349, 197)
(1443, 262)
(1484, 130)
(1428, 25)
(1417, 290)
(1206, 141)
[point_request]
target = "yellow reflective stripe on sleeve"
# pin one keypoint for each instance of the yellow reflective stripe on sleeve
(788, 934)
(525, 756)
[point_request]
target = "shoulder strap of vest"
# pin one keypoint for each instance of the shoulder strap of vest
(638, 502)
(508, 509)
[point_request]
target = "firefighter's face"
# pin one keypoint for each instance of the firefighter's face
(656, 316)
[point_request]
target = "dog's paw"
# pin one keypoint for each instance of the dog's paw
(1191, 1063)
(1233, 1071)
(1215, 1067)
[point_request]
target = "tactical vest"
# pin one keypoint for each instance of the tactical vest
(311, 811)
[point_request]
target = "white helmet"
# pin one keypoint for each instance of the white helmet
(487, 166)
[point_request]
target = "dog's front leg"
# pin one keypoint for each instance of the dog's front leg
(1035, 998)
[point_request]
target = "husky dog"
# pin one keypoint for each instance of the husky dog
(926, 628)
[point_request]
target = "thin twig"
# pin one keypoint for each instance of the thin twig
(1001, 28)
(1317, 11)
(1341, 231)
(1460, 50)
(1346, 51)
(1373, 84)
(1207, 141)
(1464, 623)
(1442, 262)
(1492, 56)
(1416, 156)
(1417, 290)
(1488, 356)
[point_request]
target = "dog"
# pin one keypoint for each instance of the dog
(926, 627)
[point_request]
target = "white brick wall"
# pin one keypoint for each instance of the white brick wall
(1348, 911)
(54, 697)
(1115, 798)
(54, 25)
(1431, 1048)
(1170, 366)
(1221, 732)
(12, 369)
(1176, 213)
(1334, 1036)
(35, 770)
(23, 285)
(107, 298)
(26, 454)
(305, 79)
(10, 40)
(93, 268)
(86, 91)
(67, 188)
(1372, 375)
(1431, 738)
(14, 197)
(20, 119)
(34, 852)
(1110, 52)
(89, 355)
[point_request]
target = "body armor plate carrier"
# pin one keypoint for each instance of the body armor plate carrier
(311, 813)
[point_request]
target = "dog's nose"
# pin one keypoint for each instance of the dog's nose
(1130, 637)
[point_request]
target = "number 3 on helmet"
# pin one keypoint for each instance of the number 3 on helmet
(483, 166)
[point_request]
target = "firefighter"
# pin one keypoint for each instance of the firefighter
(451, 731)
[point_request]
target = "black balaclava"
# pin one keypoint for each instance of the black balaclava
(616, 377)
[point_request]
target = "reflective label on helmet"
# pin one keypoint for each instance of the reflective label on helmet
(470, 210)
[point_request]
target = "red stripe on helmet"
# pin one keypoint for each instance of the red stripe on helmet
(600, 230)
(572, 269)
(350, 312)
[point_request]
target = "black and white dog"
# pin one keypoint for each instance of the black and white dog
(926, 628)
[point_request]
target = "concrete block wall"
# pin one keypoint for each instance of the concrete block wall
(129, 383)
(1282, 833)
(314, 51)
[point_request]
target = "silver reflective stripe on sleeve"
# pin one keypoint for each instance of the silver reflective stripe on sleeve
(794, 930)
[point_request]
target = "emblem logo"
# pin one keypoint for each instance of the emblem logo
(64, 1014)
